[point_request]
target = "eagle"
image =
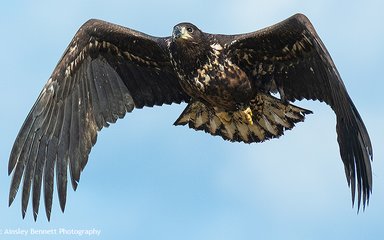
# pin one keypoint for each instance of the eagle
(240, 87)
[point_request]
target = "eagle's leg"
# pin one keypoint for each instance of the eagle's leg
(244, 116)
(247, 115)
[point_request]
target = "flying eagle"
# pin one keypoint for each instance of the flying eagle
(230, 82)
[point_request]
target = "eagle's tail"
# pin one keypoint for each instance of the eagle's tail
(266, 117)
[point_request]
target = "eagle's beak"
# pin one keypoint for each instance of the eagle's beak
(180, 32)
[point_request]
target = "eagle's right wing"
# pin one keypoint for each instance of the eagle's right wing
(289, 57)
(106, 71)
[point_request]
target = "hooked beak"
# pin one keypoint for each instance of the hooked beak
(180, 32)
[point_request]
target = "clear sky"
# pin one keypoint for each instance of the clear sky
(147, 179)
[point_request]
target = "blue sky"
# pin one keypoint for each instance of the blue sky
(147, 179)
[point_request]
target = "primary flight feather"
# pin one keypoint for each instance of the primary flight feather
(228, 82)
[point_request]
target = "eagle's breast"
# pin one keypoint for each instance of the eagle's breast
(214, 78)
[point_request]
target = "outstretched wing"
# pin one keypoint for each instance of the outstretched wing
(290, 58)
(106, 71)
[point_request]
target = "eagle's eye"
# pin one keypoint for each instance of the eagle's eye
(190, 30)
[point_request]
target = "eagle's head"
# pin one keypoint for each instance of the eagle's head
(187, 33)
(188, 47)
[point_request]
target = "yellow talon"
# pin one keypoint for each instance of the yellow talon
(247, 113)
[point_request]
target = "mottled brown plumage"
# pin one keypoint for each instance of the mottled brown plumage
(227, 81)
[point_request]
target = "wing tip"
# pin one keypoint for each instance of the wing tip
(10, 200)
(35, 215)
(48, 216)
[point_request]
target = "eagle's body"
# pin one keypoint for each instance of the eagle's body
(224, 101)
(208, 73)
(228, 82)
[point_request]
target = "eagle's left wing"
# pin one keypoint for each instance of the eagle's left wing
(106, 71)
(290, 58)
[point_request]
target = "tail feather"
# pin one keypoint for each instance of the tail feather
(270, 118)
